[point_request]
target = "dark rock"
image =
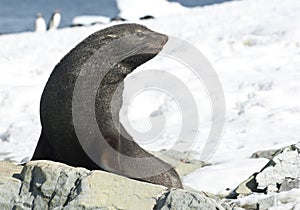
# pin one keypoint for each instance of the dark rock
(270, 154)
(147, 17)
(118, 18)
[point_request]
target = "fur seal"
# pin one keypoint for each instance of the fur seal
(40, 23)
(58, 140)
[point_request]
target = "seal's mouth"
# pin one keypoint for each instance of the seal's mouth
(155, 42)
(144, 48)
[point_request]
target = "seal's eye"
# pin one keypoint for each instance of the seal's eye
(139, 34)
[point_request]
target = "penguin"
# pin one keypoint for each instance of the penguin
(55, 20)
(40, 23)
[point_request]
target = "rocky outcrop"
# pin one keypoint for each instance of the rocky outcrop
(284, 165)
(184, 162)
(279, 180)
(51, 185)
(278, 201)
(9, 184)
(270, 154)
(181, 199)
(282, 172)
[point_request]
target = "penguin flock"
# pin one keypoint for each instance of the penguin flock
(40, 23)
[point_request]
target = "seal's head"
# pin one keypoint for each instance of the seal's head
(139, 34)
(136, 43)
(142, 43)
(147, 41)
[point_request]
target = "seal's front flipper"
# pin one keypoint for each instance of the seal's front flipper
(43, 149)
(110, 156)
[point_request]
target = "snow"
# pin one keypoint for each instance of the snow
(89, 20)
(227, 175)
(253, 46)
(287, 165)
(134, 9)
(281, 201)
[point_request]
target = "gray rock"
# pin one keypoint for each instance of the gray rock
(289, 183)
(266, 203)
(177, 199)
(50, 185)
(277, 201)
(55, 185)
(47, 184)
(285, 164)
(270, 154)
(9, 186)
(184, 162)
